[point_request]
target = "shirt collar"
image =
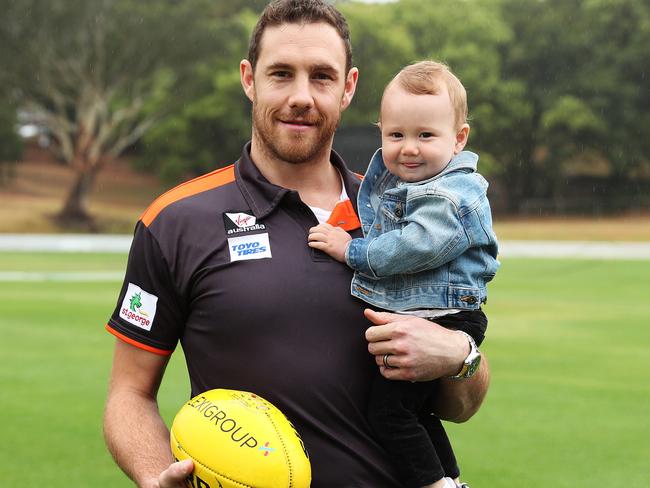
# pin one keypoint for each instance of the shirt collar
(263, 196)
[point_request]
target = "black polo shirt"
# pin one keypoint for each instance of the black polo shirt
(221, 264)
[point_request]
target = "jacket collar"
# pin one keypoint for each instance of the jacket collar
(263, 196)
(464, 160)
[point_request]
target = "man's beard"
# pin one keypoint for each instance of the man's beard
(298, 149)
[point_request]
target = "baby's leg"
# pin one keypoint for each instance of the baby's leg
(393, 416)
(474, 322)
(441, 444)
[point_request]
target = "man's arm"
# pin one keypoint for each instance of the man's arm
(422, 351)
(134, 431)
(457, 400)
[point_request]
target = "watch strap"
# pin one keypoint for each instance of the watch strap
(470, 364)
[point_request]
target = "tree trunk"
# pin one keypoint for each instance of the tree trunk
(75, 207)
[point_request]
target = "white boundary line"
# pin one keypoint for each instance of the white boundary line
(63, 276)
(575, 250)
(65, 243)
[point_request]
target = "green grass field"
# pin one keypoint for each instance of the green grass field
(568, 405)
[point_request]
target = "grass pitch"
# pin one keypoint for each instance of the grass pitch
(568, 405)
(567, 343)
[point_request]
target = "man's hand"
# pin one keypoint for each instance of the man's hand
(174, 475)
(419, 350)
(332, 240)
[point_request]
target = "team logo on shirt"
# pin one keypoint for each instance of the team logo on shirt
(139, 307)
(238, 222)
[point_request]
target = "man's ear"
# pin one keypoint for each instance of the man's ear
(247, 79)
(350, 88)
(461, 138)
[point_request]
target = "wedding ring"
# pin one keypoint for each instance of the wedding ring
(386, 361)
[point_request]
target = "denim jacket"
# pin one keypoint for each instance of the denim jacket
(427, 244)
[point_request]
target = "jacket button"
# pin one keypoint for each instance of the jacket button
(361, 290)
(471, 299)
(398, 212)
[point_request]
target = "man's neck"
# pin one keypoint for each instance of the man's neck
(317, 181)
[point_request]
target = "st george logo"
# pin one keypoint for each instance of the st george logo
(139, 307)
(136, 303)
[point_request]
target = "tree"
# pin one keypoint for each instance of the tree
(619, 31)
(584, 86)
(209, 130)
(380, 48)
(10, 143)
(470, 37)
(543, 98)
(95, 70)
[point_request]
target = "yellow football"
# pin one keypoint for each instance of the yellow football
(238, 439)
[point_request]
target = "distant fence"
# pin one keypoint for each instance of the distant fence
(591, 196)
(357, 145)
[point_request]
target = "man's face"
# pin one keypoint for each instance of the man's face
(418, 134)
(299, 89)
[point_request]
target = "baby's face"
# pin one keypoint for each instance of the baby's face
(418, 133)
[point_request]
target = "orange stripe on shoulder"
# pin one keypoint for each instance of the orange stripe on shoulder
(128, 340)
(203, 183)
(358, 176)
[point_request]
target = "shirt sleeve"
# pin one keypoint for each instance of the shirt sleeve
(433, 235)
(149, 313)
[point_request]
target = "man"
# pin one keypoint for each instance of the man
(221, 263)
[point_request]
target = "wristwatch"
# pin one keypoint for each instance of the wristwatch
(472, 361)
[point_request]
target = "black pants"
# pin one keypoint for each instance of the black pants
(400, 416)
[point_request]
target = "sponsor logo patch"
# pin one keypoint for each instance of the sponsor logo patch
(238, 222)
(254, 246)
(139, 307)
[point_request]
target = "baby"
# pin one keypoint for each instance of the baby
(428, 249)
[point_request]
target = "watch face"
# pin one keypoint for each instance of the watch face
(473, 366)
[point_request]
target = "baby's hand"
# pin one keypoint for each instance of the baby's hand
(332, 240)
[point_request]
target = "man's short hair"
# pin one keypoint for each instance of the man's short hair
(280, 12)
(427, 77)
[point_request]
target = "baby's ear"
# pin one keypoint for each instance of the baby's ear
(461, 138)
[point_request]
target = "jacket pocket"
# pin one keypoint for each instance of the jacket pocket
(393, 214)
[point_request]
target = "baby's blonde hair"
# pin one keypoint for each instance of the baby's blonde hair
(426, 78)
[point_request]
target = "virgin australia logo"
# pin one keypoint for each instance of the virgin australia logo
(236, 222)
